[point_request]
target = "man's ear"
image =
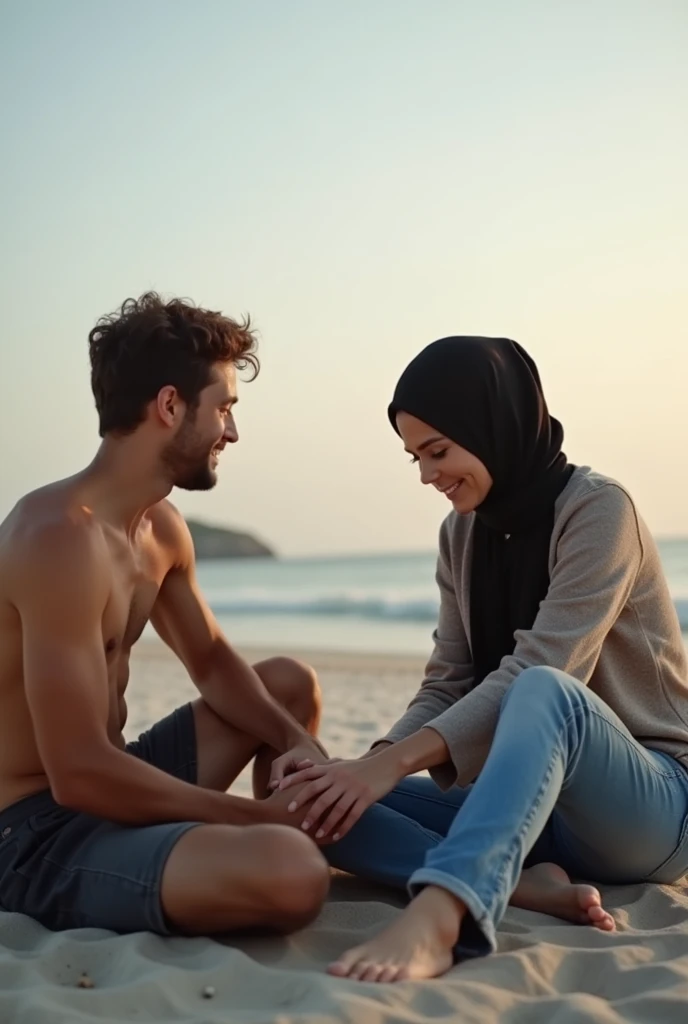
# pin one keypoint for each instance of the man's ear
(169, 406)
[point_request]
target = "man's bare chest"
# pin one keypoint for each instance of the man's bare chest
(136, 582)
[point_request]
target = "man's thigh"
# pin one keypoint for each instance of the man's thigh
(196, 745)
(71, 870)
(171, 744)
(223, 751)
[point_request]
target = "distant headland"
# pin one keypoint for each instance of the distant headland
(219, 542)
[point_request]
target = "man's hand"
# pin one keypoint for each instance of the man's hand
(345, 789)
(304, 755)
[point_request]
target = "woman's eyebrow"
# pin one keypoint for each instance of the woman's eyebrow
(426, 444)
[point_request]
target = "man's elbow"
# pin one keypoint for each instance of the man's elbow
(77, 789)
(67, 790)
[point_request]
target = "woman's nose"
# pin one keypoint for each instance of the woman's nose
(428, 474)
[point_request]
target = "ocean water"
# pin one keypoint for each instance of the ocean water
(374, 603)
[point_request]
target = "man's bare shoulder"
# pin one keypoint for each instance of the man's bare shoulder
(48, 529)
(171, 533)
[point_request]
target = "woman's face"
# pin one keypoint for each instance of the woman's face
(452, 470)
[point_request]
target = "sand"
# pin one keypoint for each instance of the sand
(546, 970)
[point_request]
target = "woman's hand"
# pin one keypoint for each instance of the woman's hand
(302, 756)
(345, 789)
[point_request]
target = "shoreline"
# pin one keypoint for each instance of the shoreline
(321, 660)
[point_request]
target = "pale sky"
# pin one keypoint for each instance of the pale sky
(362, 176)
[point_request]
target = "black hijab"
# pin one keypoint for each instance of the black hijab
(485, 394)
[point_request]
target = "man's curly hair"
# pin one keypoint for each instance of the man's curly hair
(148, 344)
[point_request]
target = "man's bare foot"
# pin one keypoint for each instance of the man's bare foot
(417, 945)
(547, 889)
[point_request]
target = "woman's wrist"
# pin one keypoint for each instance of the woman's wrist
(376, 749)
(424, 749)
(391, 766)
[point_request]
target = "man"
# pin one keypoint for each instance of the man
(144, 836)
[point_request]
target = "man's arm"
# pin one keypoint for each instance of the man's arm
(62, 589)
(226, 682)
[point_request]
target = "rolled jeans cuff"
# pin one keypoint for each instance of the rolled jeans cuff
(477, 936)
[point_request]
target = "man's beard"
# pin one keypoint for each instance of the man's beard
(187, 459)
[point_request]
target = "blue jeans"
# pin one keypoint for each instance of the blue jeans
(564, 781)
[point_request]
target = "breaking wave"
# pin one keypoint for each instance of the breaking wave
(354, 606)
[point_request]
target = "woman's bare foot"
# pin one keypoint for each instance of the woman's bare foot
(417, 945)
(547, 889)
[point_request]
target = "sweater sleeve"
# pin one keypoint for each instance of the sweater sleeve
(597, 560)
(449, 672)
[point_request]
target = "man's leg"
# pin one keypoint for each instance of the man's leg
(224, 751)
(84, 872)
(216, 878)
(220, 878)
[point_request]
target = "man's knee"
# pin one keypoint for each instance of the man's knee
(299, 877)
(219, 878)
(293, 684)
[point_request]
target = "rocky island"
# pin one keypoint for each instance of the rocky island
(219, 542)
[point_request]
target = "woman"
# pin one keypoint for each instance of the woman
(558, 683)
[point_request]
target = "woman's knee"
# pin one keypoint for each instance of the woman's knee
(540, 685)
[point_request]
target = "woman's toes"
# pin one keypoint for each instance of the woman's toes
(601, 918)
(389, 973)
(370, 972)
(356, 972)
(589, 897)
(342, 967)
(361, 971)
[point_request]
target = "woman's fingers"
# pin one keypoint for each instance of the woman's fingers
(310, 792)
(304, 775)
(282, 769)
(277, 771)
(321, 806)
(335, 816)
(352, 817)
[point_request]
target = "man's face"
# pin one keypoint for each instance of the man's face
(191, 457)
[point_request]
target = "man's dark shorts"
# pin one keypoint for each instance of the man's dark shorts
(71, 870)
